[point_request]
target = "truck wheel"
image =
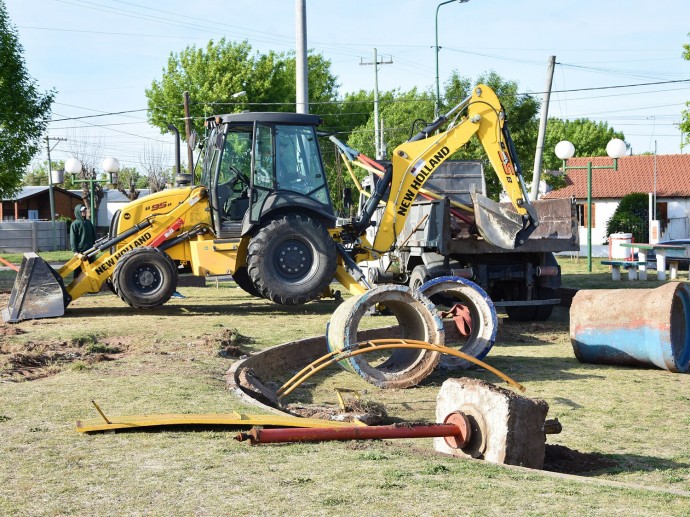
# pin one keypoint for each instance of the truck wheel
(145, 278)
(420, 275)
(291, 260)
(522, 313)
(241, 278)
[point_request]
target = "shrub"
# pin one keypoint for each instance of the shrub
(631, 216)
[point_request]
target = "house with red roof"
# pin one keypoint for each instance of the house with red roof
(666, 175)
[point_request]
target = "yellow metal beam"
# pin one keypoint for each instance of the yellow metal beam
(129, 422)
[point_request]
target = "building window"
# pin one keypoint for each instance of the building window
(582, 214)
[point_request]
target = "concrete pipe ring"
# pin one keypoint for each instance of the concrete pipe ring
(417, 319)
(484, 324)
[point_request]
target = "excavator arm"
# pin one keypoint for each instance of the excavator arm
(416, 160)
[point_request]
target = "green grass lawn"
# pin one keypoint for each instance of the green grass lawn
(168, 361)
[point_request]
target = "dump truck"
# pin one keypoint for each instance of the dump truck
(261, 211)
(438, 241)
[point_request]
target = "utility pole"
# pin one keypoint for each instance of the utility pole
(51, 194)
(188, 132)
(536, 174)
(302, 73)
(377, 136)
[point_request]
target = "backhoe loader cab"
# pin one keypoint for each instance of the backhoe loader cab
(259, 164)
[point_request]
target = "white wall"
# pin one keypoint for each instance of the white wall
(603, 210)
(678, 225)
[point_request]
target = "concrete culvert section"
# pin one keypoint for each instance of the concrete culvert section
(417, 319)
(480, 317)
(643, 328)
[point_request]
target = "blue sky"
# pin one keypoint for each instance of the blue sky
(100, 55)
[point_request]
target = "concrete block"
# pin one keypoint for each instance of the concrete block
(506, 427)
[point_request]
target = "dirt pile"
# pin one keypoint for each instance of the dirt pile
(33, 360)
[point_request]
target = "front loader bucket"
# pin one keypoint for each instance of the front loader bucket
(500, 224)
(38, 292)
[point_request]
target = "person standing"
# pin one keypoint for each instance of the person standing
(82, 234)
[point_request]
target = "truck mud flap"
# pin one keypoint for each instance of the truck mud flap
(38, 292)
(499, 224)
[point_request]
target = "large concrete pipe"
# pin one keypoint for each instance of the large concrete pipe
(417, 319)
(484, 323)
(633, 326)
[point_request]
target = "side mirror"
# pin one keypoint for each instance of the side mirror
(193, 140)
(219, 141)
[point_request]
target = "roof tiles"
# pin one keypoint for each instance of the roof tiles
(634, 174)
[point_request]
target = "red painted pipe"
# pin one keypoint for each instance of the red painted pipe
(460, 433)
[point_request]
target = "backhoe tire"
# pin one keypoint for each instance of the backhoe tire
(241, 278)
(145, 278)
(292, 259)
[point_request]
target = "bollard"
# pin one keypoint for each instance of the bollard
(635, 327)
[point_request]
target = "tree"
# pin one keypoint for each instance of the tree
(214, 73)
(24, 111)
(631, 216)
(153, 161)
(129, 181)
(685, 121)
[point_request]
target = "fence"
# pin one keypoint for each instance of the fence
(23, 236)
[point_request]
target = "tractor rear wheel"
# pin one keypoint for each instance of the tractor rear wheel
(241, 278)
(145, 278)
(292, 259)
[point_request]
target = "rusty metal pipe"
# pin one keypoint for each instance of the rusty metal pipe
(460, 433)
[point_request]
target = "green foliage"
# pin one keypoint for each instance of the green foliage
(23, 109)
(631, 216)
(214, 73)
(685, 121)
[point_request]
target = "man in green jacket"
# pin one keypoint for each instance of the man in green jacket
(82, 234)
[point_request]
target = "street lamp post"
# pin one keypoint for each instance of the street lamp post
(110, 165)
(565, 150)
(438, 88)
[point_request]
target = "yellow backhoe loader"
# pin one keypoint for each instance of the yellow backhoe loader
(262, 213)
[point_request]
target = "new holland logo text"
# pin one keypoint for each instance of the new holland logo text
(421, 171)
(113, 260)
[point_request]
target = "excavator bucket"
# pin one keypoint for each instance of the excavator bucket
(38, 292)
(499, 224)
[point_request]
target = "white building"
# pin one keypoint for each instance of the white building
(665, 176)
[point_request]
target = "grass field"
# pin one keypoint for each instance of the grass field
(627, 429)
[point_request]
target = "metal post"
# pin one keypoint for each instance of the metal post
(589, 168)
(438, 88)
(377, 136)
(51, 196)
(589, 216)
(188, 133)
(302, 76)
(51, 192)
(536, 171)
(377, 141)
(93, 195)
